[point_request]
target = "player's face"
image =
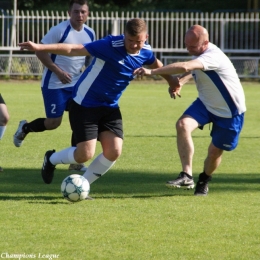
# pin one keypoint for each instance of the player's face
(78, 15)
(195, 47)
(134, 44)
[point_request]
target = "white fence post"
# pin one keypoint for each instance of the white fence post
(13, 37)
(234, 33)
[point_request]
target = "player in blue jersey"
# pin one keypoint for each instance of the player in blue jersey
(60, 74)
(94, 113)
(221, 102)
(4, 118)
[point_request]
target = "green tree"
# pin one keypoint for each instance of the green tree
(133, 5)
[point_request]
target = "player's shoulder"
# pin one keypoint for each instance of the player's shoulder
(62, 26)
(210, 53)
(116, 40)
(147, 47)
(55, 33)
(86, 27)
(212, 48)
(90, 32)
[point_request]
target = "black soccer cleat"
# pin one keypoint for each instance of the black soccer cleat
(48, 168)
(183, 180)
(201, 188)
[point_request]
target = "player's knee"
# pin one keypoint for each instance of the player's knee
(52, 123)
(214, 153)
(56, 124)
(4, 120)
(82, 156)
(181, 125)
(112, 155)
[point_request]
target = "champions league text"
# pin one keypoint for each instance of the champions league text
(6, 255)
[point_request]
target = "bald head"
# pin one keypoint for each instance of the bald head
(196, 40)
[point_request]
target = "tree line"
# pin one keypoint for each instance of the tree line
(134, 5)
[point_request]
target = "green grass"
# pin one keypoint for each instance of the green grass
(134, 216)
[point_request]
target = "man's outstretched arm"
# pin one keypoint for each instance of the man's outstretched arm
(56, 48)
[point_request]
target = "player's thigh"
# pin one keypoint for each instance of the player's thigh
(111, 121)
(83, 122)
(4, 115)
(111, 133)
(199, 113)
(56, 101)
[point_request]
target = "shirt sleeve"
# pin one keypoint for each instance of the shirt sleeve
(208, 61)
(52, 36)
(150, 59)
(97, 48)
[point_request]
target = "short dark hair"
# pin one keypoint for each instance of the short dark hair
(80, 2)
(135, 26)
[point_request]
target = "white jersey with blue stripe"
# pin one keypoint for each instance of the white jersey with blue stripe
(65, 33)
(218, 84)
(110, 72)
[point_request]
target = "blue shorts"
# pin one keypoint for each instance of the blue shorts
(56, 101)
(225, 131)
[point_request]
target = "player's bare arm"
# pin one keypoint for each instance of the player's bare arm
(158, 64)
(173, 81)
(46, 60)
(174, 68)
(56, 48)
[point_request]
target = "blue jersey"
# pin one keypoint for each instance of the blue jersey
(110, 72)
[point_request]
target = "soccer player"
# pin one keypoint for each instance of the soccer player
(60, 74)
(94, 113)
(4, 118)
(221, 102)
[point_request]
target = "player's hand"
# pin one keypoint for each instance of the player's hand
(174, 88)
(64, 77)
(174, 93)
(140, 72)
(28, 46)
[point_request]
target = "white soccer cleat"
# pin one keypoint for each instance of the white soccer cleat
(182, 181)
(19, 134)
(78, 167)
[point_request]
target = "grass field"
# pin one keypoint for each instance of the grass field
(133, 216)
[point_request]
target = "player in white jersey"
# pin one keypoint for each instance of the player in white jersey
(4, 118)
(221, 102)
(60, 74)
(94, 112)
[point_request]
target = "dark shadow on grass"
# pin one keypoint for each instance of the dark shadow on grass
(35, 199)
(27, 184)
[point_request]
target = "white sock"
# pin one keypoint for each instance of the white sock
(65, 156)
(97, 168)
(2, 131)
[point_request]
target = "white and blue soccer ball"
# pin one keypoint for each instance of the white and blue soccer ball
(75, 188)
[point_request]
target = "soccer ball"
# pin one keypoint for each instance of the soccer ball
(75, 188)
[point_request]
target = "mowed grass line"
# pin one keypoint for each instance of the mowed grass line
(134, 216)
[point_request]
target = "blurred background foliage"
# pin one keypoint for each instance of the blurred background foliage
(138, 5)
